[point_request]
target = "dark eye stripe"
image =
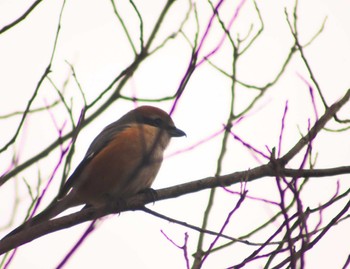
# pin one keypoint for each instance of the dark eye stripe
(157, 122)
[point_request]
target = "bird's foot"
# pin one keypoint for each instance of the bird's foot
(150, 193)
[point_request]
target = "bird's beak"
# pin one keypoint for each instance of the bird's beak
(175, 132)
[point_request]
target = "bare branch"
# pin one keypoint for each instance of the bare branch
(21, 18)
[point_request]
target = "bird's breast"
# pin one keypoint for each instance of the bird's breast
(127, 165)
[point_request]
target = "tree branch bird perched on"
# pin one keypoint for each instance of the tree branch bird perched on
(121, 161)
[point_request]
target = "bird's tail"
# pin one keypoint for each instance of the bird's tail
(53, 209)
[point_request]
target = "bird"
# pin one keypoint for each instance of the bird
(121, 161)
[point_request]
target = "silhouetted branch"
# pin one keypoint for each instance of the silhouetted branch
(21, 18)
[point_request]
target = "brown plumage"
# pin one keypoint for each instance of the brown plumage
(122, 160)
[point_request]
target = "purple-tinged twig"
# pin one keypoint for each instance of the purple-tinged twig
(77, 245)
(183, 248)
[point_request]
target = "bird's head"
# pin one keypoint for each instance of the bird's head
(155, 117)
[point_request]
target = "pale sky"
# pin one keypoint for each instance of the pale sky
(92, 40)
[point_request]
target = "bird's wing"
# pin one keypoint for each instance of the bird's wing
(101, 141)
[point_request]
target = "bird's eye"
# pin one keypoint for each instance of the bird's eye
(158, 122)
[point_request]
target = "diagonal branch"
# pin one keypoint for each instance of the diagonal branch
(137, 202)
(330, 113)
(21, 18)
